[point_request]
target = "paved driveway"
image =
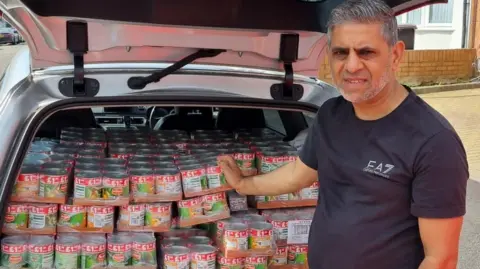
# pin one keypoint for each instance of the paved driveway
(462, 109)
(6, 53)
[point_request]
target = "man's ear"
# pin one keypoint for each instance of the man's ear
(397, 53)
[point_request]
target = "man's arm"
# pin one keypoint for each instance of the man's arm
(289, 178)
(439, 198)
(440, 241)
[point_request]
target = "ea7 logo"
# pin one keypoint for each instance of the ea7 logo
(380, 169)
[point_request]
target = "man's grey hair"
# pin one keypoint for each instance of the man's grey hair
(366, 11)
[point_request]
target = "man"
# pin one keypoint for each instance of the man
(392, 170)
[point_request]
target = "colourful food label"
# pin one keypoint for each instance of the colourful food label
(297, 254)
(203, 260)
(143, 185)
(194, 180)
(177, 261)
(190, 208)
(281, 197)
(73, 216)
(245, 159)
(260, 198)
(294, 196)
(158, 214)
(132, 215)
(115, 187)
(260, 239)
(27, 185)
(67, 256)
(40, 256)
(256, 262)
(42, 216)
(231, 263)
(100, 216)
(310, 192)
(17, 216)
(88, 187)
(14, 256)
(214, 204)
(117, 254)
(280, 257)
(144, 253)
(280, 229)
(215, 177)
(93, 255)
(271, 163)
(235, 239)
(53, 186)
(169, 184)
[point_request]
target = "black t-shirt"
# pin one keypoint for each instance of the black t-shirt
(376, 178)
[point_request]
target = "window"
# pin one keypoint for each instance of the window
(441, 13)
(273, 121)
(436, 15)
(414, 17)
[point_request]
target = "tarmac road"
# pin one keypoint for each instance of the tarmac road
(462, 109)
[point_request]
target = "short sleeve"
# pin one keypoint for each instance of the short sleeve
(440, 178)
(308, 152)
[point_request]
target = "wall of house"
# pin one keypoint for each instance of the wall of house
(431, 34)
(426, 67)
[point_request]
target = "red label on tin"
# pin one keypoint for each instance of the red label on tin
(193, 173)
(28, 177)
(53, 179)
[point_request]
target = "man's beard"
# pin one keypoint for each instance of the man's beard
(369, 94)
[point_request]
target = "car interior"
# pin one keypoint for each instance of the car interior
(286, 123)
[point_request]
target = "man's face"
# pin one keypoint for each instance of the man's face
(361, 61)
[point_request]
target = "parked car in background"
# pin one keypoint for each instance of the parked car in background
(9, 35)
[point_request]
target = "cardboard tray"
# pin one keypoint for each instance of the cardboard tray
(37, 199)
(44, 231)
(203, 219)
(154, 198)
(92, 202)
(284, 204)
(159, 229)
(66, 229)
(289, 266)
(246, 253)
(206, 192)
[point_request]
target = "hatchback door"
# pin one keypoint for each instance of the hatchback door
(168, 30)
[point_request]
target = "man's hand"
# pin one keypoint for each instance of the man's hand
(232, 172)
(440, 239)
(289, 178)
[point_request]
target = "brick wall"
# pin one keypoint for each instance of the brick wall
(427, 67)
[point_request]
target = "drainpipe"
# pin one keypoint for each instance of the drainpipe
(465, 23)
(473, 24)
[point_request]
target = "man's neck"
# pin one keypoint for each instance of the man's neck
(383, 104)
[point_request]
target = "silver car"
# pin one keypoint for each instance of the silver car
(9, 36)
(147, 67)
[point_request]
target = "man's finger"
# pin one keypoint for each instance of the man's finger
(228, 160)
(225, 167)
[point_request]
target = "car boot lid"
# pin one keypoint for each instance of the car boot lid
(261, 34)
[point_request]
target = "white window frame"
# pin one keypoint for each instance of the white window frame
(424, 23)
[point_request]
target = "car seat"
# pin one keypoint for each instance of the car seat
(53, 125)
(188, 118)
(240, 118)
